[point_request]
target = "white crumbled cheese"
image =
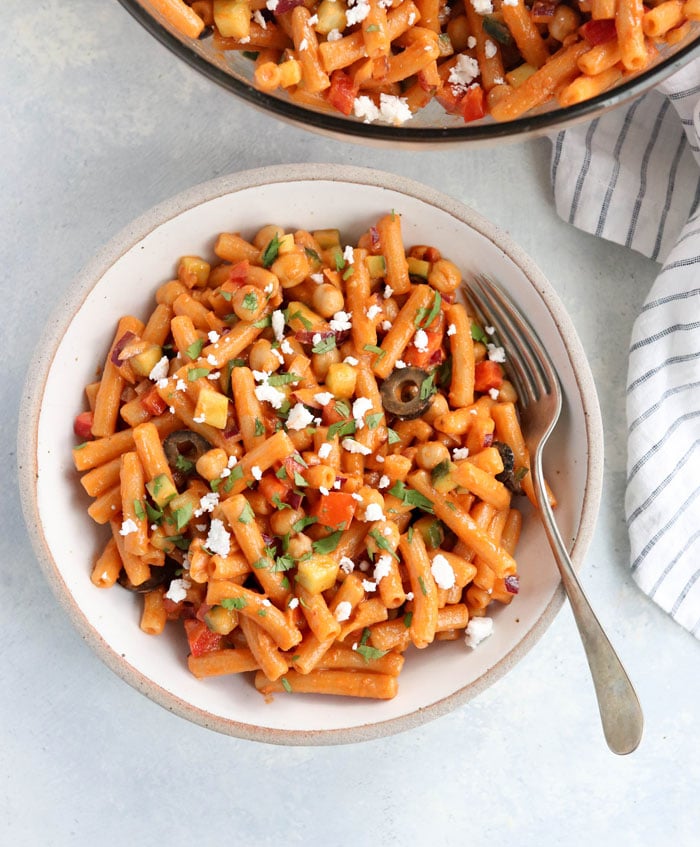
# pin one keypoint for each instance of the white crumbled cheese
(268, 393)
(379, 459)
(177, 591)
(271, 5)
(276, 353)
(313, 20)
(232, 461)
(482, 7)
(181, 385)
(262, 376)
(359, 409)
(244, 40)
(460, 453)
(160, 369)
(341, 321)
(303, 44)
(496, 354)
(451, 329)
(464, 72)
(442, 572)
(207, 503)
(317, 278)
(343, 611)
(386, 326)
(218, 541)
(490, 330)
(392, 109)
(214, 375)
(324, 397)
(299, 417)
(316, 338)
(199, 419)
(349, 255)
(278, 324)
(388, 291)
(400, 364)
(162, 383)
(374, 512)
(323, 490)
(510, 2)
(471, 41)
(337, 485)
(351, 360)
(286, 347)
(293, 603)
(213, 336)
(347, 565)
(128, 527)
(494, 393)
(477, 630)
(334, 35)
(373, 311)
(356, 496)
(324, 451)
(257, 472)
(420, 341)
(411, 19)
(353, 446)
(384, 481)
(356, 12)
(369, 586)
(409, 596)
(259, 19)
(382, 568)
(490, 49)
(212, 360)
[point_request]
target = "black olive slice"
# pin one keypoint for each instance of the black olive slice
(508, 476)
(182, 449)
(401, 393)
(159, 575)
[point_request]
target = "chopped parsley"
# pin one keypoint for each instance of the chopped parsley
(234, 602)
(247, 515)
(270, 252)
(411, 497)
(193, 374)
(195, 348)
(325, 345)
(328, 544)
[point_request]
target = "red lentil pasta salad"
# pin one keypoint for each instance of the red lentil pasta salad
(307, 455)
(384, 60)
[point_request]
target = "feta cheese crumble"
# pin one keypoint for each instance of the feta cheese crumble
(382, 568)
(359, 409)
(299, 417)
(460, 453)
(177, 591)
(464, 72)
(420, 341)
(343, 611)
(477, 630)
(347, 565)
(160, 369)
(218, 539)
(278, 324)
(496, 354)
(128, 527)
(482, 7)
(341, 321)
(324, 451)
(442, 572)
(374, 512)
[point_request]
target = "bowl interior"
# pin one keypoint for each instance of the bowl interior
(123, 281)
(431, 125)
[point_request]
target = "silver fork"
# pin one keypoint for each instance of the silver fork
(540, 400)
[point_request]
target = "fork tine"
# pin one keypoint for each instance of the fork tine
(526, 353)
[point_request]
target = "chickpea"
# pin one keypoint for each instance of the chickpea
(258, 503)
(438, 406)
(390, 308)
(327, 300)
(281, 521)
(299, 545)
(564, 21)
(480, 352)
(459, 31)
(397, 466)
(261, 357)
(291, 269)
(445, 276)
(247, 302)
(429, 454)
(341, 379)
(211, 464)
(507, 392)
(370, 496)
(265, 235)
(322, 362)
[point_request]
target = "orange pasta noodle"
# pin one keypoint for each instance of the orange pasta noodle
(306, 44)
(630, 35)
(402, 331)
(341, 683)
(425, 604)
(107, 566)
(112, 383)
(489, 57)
(181, 16)
(525, 33)
(462, 350)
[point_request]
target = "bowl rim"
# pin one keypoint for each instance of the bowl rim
(73, 299)
(528, 126)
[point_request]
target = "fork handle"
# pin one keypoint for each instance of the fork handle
(620, 711)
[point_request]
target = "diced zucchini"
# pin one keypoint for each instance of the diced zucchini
(143, 363)
(161, 490)
(376, 266)
(301, 318)
(211, 408)
(331, 15)
(518, 75)
(286, 244)
(318, 573)
(221, 620)
(327, 238)
(418, 267)
(193, 271)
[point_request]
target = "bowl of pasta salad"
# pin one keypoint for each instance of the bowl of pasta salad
(416, 72)
(273, 467)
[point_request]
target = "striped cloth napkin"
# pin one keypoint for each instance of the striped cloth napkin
(633, 177)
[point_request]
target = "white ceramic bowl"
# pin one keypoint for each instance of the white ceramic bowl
(121, 280)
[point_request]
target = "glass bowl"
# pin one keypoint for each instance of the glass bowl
(431, 125)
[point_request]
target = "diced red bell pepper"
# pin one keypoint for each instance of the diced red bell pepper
(334, 508)
(274, 490)
(598, 32)
(82, 426)
(423, 358)
(152, 402)
(447, 98)
(473, 104)
(200, 638)
(342, 92)
(487, 375)
(239, 272)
